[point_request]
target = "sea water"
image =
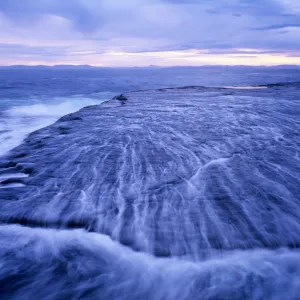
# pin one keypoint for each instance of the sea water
(217, 190)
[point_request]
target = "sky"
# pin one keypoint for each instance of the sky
(124, 33)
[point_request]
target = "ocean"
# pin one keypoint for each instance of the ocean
(189, 189)
(32, 98)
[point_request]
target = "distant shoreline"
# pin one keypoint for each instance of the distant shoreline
(58, 67)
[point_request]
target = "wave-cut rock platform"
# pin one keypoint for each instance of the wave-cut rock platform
(185, 173)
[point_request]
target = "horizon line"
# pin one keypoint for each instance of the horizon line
(149, 66)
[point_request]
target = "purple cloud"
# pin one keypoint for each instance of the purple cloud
(134, 26)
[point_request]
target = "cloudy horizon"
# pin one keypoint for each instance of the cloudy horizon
(157, 32)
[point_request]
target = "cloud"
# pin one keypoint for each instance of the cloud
(84, 18)
(64, 29)
(278, 26)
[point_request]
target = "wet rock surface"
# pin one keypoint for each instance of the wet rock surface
(191, 174)
(171, 173)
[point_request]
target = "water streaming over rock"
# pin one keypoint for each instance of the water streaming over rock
(182, 193)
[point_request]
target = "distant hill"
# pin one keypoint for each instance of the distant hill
(146, 67)
(49, 67)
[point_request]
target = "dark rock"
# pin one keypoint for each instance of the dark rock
(9, 164)
(163, 169)
(70, 117)
(121, 98)
(12, 180)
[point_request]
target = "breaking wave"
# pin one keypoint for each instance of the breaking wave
(63, 107)
(50, 264)
(16, 122)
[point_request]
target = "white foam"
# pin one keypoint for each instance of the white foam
(13, 175)
(52, 110)
(11, 185)
(244, 87)
(96, 264)
(18, 121)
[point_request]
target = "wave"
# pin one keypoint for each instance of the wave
(60, 108)
(17, 122)
(233, 87)
(51, 264)
(281, 84)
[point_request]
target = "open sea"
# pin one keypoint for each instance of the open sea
(190, 189)
(31, 98)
